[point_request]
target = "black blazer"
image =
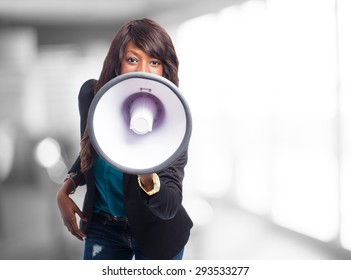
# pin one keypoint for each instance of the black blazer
(159, 222)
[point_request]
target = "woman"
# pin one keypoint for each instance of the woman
(127, 216)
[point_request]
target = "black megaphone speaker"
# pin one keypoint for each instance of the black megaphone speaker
(139, 122)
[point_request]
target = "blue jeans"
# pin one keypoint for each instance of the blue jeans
(108, 239)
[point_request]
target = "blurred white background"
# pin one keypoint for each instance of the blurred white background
(268, 83)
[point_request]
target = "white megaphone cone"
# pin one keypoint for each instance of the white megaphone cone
(139, 122)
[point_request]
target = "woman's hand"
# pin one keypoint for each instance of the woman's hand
(69, 209)
(147, 181)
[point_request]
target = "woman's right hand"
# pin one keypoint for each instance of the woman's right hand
(69, 209)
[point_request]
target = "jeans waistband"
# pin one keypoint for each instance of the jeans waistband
(110, 217)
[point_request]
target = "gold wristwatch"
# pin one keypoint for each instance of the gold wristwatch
(157, 184)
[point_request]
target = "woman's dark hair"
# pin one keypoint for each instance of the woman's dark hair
(151, 38)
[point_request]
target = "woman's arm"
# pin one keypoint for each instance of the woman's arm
(75, 177)
(166, 202)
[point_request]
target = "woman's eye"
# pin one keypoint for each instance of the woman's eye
(155, 62)
(131, 59)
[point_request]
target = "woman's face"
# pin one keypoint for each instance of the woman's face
(136, 60)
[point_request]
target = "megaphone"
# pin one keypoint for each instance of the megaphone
(139, 122)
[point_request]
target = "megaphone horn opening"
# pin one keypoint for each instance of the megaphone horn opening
(109, 123)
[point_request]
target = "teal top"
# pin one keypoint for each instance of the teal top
(109, 186)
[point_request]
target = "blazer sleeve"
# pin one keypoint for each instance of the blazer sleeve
(166, 203)
(85, 97)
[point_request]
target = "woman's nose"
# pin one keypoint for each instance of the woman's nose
(143, 67)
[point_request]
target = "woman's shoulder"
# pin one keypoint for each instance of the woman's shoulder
(87, 89)
(86, 93)
(85, 97)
